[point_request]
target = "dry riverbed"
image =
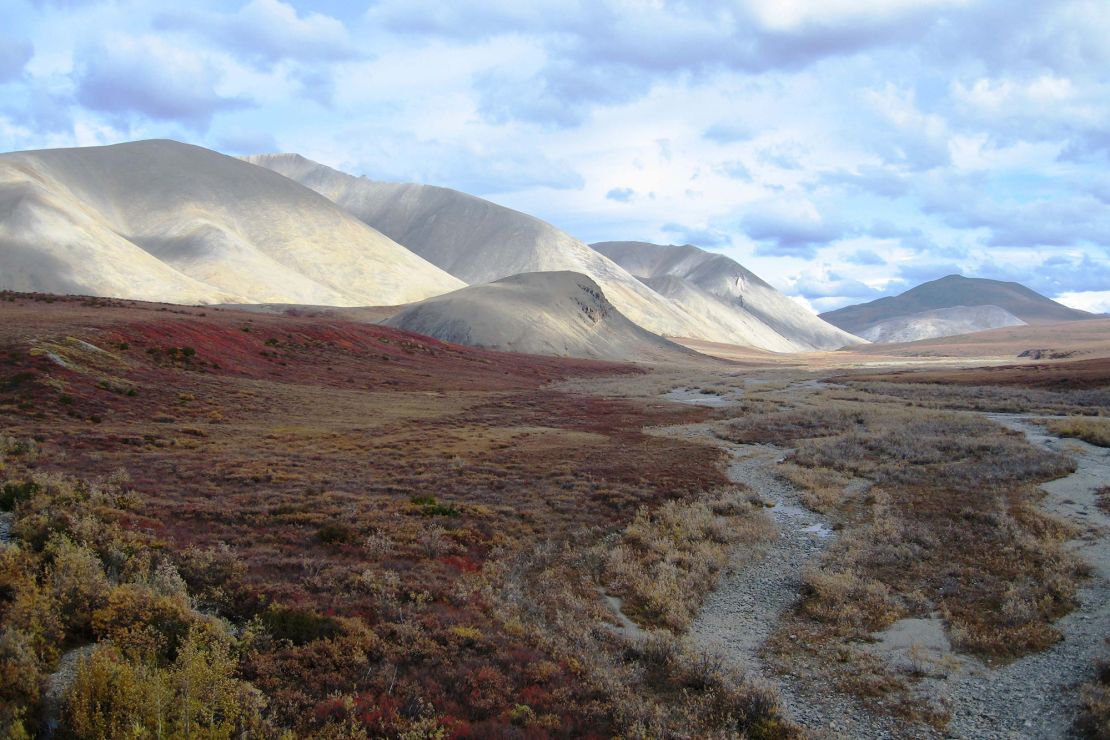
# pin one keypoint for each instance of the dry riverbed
(1033, 696)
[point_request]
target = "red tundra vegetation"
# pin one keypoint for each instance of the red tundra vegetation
(339, 528)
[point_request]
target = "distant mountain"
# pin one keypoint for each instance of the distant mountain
(479, 241)
(727, 293)
(950, 292)
(544, 313)
(940, 322)
(165, 221)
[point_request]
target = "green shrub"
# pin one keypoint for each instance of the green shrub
(15, 492)
(299, 626)
(428, 506)
(337, 533)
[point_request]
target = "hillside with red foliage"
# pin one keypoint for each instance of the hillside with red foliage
(358, 489)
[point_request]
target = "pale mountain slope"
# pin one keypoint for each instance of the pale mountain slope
(165, 221)
(479, 241)
(547, 313)
(956, 290)
(708, 306)
(940, 322)
(729, 291)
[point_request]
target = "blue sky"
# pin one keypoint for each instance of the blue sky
(843, 149)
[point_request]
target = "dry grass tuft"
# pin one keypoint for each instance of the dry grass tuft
(822, 489)
(1083, 401)
(1094, 720)
(1096, 431)
(782, 427)
(668, 559)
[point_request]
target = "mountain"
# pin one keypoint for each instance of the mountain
(165, 221)
(732, 296)
(950, 292)
(940, 322)
(543, 313)
(479, 241)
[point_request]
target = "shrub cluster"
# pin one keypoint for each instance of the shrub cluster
(74, 576)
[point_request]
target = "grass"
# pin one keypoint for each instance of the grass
(1095, 431)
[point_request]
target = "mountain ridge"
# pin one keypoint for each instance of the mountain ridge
(161, 220)
(479, 241)
(720, 286)
(956, 290)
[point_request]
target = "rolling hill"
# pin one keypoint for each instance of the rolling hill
(564, 314)
(479, 241)
(165, 221)
(718, 287)
(951, 292)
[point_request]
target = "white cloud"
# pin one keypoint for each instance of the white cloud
(1095, 301)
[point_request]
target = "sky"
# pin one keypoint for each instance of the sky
(842, 149)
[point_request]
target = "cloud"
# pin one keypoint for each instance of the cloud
(620, 195)
(867, 178)
(735, 170)
(1063, 221)
(14, 55)
(1095, 301)
(796, 229)
(727, 132)
(699, 237)
(1088, 146)
(864, 257)
(915, 273)
(1058, 274)
(560, 95)
(612, 51)
(472, 168)
(266, 31)
(147, 76)
(241, 142)
(829, 284)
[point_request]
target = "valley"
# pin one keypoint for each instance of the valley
(429, 535)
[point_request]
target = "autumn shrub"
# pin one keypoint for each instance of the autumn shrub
(195, 694)
(278, 666)
(214, 578)
(21, 674)
(76, 580)
(142, 622)
(657, 686)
